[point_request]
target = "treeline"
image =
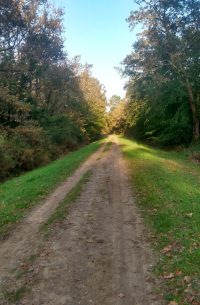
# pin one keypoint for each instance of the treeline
(163, 91)
(48, 103)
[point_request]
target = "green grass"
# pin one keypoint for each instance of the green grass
(15, 295)
(62, 210)
(167, 188)
(21, 193)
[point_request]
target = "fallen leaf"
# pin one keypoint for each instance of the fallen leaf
(178, 272)
(168, 276)
(190, 299)
(187, 279)
(168, 248)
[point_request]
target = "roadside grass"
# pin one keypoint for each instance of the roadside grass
(167, 189)
(21, 193)
(62, 210)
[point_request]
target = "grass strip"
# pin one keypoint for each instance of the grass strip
(62, 210)
(15, 295)
(21, 193)
(167, 188)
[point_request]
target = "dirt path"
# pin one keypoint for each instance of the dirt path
(24, 240)
(98, 256)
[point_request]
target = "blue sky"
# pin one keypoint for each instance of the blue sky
(97, 30)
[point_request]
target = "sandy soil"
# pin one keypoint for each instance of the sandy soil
(99, 255)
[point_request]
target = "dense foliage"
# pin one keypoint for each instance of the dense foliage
(48, 103)
(116, 115)
(163, 91)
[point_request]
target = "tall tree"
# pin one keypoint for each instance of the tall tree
(116, 116)
(94, 96)
(168, 48)
(48, 103)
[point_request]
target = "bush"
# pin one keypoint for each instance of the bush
(6, 161)
(22, 149)
(29, 147)
(64, 132)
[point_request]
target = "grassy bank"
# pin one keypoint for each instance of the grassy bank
(167, 188)
(21, 193)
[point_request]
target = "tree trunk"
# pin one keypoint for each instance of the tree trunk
(195, 116)
(196, 130)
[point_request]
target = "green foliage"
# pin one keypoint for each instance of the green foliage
(6, 162)
(164, 72)
(167, 188)
(165, 120)
(177, 128)
(116, 116)
(94, 95)
(48, 103)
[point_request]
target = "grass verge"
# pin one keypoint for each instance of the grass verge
(167, 188)
(21, 193)
(62, 210)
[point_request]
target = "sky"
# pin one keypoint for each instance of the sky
(97, 30)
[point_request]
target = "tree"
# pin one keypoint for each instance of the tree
(49, 104)
(114, 102)
(168, 48)
(94, 96)
(116, 115)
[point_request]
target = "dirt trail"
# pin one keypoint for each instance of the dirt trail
(24, 239)
(98, 255)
